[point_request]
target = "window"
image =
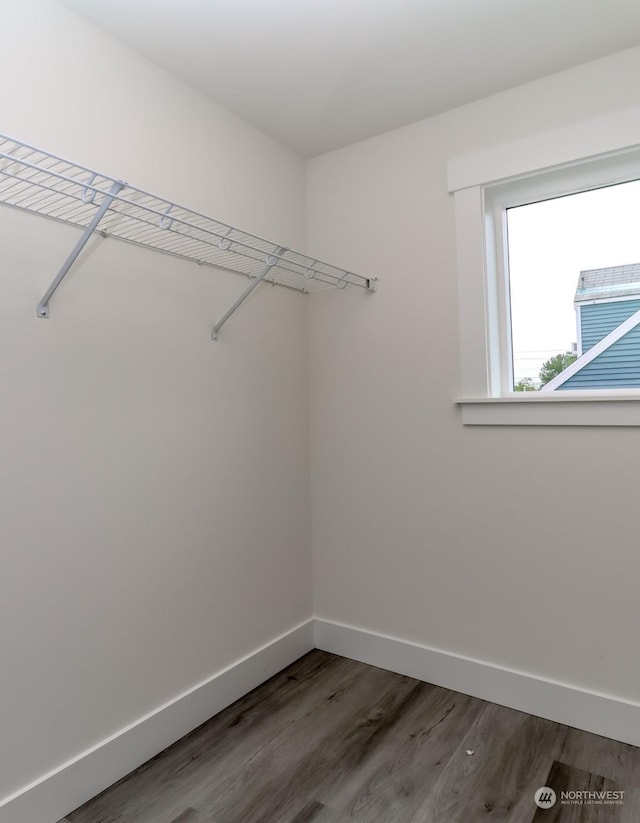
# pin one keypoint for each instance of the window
(549, 280)
(574, 281)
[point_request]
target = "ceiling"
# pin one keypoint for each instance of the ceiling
(320, 74)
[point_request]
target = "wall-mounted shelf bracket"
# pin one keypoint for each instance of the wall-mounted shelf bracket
(118, 185)
(272, 260)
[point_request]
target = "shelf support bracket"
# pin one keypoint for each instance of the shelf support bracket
(272, 260)
(43, 305)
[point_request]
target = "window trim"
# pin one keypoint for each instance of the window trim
(483, 184)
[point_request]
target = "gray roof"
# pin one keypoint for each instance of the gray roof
(615, 281)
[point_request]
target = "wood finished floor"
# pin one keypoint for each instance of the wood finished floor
(331, 740)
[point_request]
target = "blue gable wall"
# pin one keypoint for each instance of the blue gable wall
(598, 319)
(618, 367)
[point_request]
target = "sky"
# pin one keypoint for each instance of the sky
(550, 243)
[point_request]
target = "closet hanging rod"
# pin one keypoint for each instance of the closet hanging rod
(43, 183)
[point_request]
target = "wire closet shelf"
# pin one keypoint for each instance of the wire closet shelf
(37, 181)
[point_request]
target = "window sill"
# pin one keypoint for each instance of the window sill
(558, 409)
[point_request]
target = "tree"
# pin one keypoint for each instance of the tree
(554, 365)
(526, 384)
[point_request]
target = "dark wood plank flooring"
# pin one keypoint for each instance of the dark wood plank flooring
(331, 740)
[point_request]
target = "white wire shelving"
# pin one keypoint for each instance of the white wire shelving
(38, 181)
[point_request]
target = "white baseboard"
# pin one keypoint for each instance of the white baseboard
(593, 712)
(53, 796)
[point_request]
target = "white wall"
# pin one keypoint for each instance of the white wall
(513, 546)
(154, 498)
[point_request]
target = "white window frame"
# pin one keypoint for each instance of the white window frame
(587, 155)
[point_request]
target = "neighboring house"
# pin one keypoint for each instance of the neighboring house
(607, 306)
